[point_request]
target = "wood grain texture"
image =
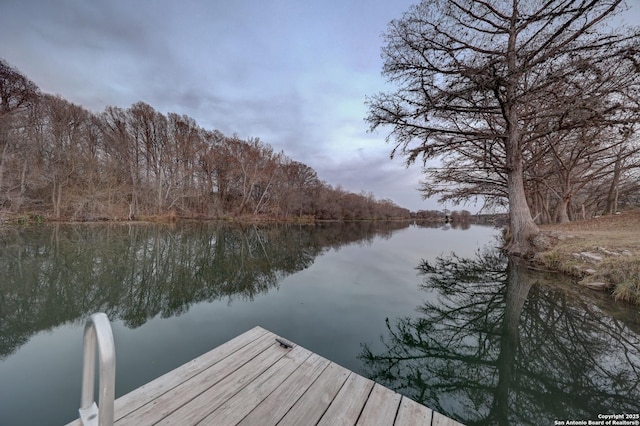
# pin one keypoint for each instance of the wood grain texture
(241, 404)
(276, 406)
(254, 380)
(213, 396)
(348, 404)
(154, 389)
(187, 390)
(411, 413)
(442, 420)
(310, 407)
(381, 407)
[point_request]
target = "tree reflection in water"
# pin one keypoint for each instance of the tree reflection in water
(133, 272)
(502, 345)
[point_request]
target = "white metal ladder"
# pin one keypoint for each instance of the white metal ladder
(97, 332)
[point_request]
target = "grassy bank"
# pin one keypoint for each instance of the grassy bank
(602, 253)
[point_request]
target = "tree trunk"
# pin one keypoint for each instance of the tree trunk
(563, 210)
(521, 224)
(23, 185)
(612, 196)
(2, 162)
(56, 198)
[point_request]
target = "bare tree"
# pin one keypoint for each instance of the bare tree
(473, 77)
(186, 140)
(253, 168)
(122, 165)
(16, 90)
(65, 156)
(216, 165)
(17, 93)
(299, 186)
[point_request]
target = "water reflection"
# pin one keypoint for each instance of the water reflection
(61, 273)
(504, 346)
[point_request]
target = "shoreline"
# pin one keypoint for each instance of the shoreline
(601, 254)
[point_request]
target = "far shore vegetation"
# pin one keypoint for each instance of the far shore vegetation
(60, 161)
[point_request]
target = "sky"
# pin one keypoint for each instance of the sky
(293, 73)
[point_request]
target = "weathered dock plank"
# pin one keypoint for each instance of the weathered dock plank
(197, 409)
(241, 404)
(276, 406)
(310, 407)
(254, 380)
(442, 420)
(186, 391)
(347, 406)
(411, 413)
(381, 407)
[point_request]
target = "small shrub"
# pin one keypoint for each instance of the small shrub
(627, 291)
(550, 259)
(29, 219)
(624, 274)
(557, 261)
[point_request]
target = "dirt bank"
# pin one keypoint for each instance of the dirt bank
(603, 253)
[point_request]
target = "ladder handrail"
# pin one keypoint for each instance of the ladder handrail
(97, 332)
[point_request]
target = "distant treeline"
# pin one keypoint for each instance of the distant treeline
(60, 161)
(460, 217)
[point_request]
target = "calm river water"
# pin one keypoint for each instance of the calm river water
(436, 314)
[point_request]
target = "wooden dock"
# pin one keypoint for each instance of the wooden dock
(254, 380)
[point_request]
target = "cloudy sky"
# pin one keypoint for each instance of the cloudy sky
(294, 73)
